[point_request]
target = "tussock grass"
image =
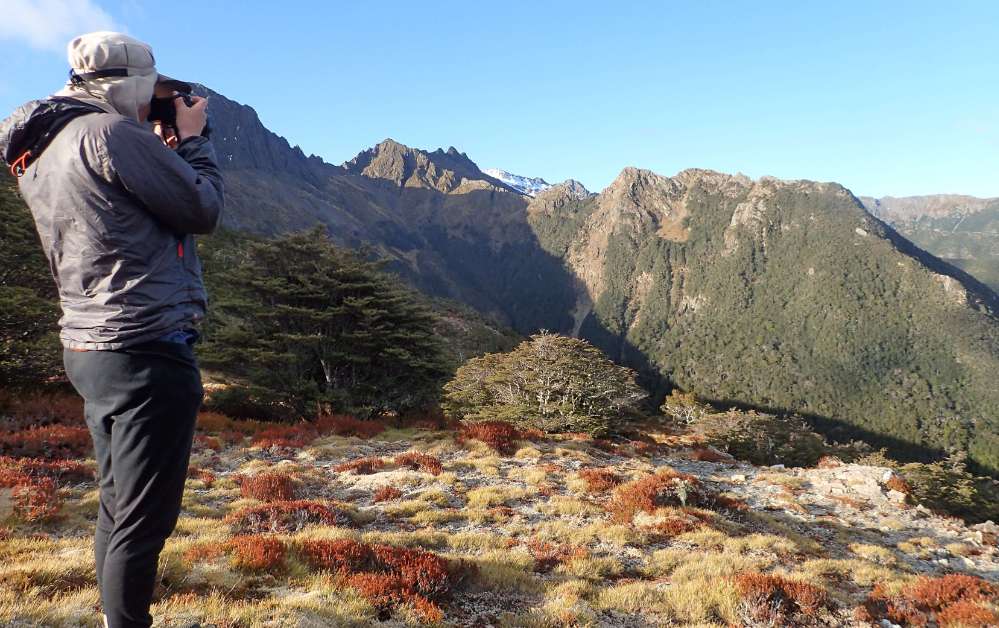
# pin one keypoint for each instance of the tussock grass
(438, 517)
(631, 597)
(506, 570)
(591, 567)
(494, 496)
(569, 506)
(860, 572)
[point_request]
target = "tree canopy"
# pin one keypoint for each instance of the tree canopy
(310, 327)
(550, 382)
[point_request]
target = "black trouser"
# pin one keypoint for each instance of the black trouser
(141, 404)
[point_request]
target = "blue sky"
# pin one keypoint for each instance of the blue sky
(888, 98)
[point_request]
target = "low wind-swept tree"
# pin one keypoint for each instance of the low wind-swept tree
(549, 382)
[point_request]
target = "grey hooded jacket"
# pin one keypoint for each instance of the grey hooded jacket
(115, 210)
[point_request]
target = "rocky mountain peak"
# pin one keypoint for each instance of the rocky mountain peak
(242, 142)
(572, 188)
(639, 188)
(557, 195)
(444, 171)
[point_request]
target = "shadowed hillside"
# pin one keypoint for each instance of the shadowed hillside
(963, 230)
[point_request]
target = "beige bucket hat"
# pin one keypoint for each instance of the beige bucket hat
(106, 54)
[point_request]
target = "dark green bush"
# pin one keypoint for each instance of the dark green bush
(312, 328)
(763, 439)
(948, 487)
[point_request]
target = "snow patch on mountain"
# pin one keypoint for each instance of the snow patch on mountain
(527, 185)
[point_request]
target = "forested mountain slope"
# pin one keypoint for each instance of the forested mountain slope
(964, 230)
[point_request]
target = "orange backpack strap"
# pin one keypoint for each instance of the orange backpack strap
(20, 164)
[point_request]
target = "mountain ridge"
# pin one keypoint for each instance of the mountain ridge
(963, 230)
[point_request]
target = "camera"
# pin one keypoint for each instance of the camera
(163, 110)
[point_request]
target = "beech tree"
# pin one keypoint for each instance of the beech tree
(550, 382)
(310, 326)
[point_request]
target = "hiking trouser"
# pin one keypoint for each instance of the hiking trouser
(141, 404)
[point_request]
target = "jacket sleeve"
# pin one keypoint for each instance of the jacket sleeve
(182, 188)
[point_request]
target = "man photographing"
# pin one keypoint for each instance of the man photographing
(116, 206)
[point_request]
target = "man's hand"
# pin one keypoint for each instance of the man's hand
(167, 134)
(191, 120)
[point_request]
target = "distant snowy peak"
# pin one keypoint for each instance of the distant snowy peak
(526, 185)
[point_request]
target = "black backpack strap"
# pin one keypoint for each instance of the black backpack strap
(44, 124)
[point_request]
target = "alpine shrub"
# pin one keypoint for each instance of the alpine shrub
(967, 614)
(773, 599)
(955, 600)
(268, 487)
(387, 576)
(62, 471)
(665, 488)
(256, 553)
(361, 466)
(347, 425)
(499, 435)
(51, 442)
(36, 499)
(386, 493)
(599, 480)
(420, 462)
(285, 516)
(342, 556)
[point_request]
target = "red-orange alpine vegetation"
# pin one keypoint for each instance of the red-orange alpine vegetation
(34, 484)
(954, 600)
(286, 516)
(773, 600)
(386, 493)
(385, 575)
(62, 471)
(270, 486)
(499, 435)
(346, 425)
(420, 462)
(667, 487)
(36, 499)
(256, 553)
(361, 466)
(51, 442)
(599, 480)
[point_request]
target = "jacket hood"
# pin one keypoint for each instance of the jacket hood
(124, 94)
(33, 125)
